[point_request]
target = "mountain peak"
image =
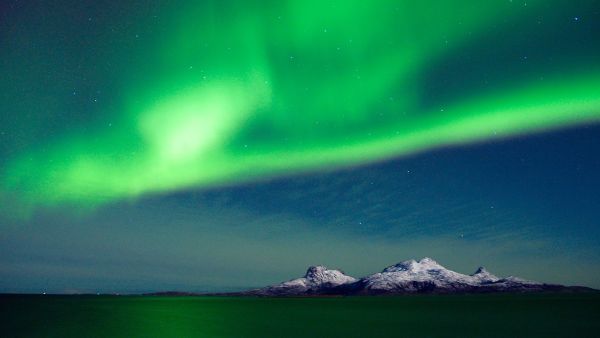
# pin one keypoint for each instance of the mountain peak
(479, 270)
(427, 260)
(412, 265)
(484, 275)
(320, 274)
(314, 271)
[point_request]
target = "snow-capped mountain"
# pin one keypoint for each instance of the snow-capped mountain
(316, 280)
(427, 275)
(411, 276)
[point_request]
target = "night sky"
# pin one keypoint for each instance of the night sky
(221, 145)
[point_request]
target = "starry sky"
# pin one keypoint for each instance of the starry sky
(221, 145)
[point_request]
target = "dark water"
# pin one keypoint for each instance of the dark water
(540, 315)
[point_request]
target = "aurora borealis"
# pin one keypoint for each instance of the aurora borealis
(110, 107)
(234, 91)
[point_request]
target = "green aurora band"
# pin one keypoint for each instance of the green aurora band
(241, 91)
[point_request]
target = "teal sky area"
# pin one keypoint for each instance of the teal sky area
(265, 136)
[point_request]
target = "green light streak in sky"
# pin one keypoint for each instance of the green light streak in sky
(241, 91)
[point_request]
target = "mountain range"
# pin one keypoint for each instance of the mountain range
(408, 277)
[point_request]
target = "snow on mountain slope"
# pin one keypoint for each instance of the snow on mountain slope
(316, 280)
(484, 276)
(429, 276)
(411, 276)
